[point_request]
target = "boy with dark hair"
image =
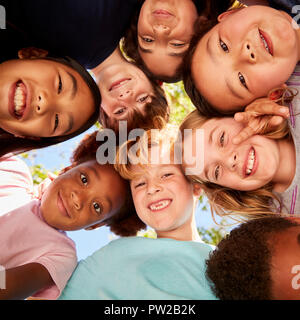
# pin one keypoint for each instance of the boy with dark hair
(258, 260)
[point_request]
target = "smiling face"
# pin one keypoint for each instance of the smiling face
(83, 197)
(165, 28)
(247, 166)
(42, 98)
(285, 264)
(155, 194)
(250, 52)
(124, 88)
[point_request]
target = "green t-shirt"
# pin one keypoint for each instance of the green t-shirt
(137, 268)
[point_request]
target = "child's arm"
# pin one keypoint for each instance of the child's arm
(260, 116)
(23, 281)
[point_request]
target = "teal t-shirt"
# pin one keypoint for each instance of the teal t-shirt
(137, 268)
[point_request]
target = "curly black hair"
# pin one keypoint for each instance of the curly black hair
(240, 266)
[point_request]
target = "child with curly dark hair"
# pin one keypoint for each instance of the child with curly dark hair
(35, 251)
(258, 260)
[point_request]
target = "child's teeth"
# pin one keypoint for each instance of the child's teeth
(265, 42)
(19, 100)
(250, 162)
(159, 205)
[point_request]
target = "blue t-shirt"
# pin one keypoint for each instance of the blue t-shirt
(87, 31)
(138, 268)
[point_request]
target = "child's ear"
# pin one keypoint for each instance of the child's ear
(197, 190)
(32, 53)
(95, 226)
(226, 14)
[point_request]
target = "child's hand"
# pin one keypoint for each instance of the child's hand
(259, 117)
(44, 185)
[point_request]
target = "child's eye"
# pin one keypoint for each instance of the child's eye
(174, 44)
(222, 139)
(217, 172)
(56, 122)
(143, 98)
(167, 175)
(242, 80)
(223, 46)
(147, 39)
(120, 111)
(139, 185)
(97, 207)
(59, 84)
(83, 179)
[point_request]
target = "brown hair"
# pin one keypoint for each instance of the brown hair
(125, 222)
(211, 9)
(227, 201)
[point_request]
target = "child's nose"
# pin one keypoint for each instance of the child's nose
(76, 200)
(43, 102)
(161, 29)
(126, 94)
(249, 53)
(153, 188)
(231, 161)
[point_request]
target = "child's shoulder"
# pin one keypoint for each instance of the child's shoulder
(14, 165)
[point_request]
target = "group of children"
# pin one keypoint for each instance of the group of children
(229, 60)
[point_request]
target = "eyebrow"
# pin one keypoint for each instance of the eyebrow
(172, 54)
(95, 172)
(70, 125)
(74, 85)
(209, 141)
(210, 51)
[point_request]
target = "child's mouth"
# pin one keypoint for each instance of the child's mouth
(159, 205)
(250, 163)
(267, 43)
(18, 100)
(61, 206)
(118, 84)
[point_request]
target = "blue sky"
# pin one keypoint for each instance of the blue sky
(57, 157)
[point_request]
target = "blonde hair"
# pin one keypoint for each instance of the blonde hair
(164, 136)
(225, 201)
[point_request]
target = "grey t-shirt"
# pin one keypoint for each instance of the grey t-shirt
(290, 198)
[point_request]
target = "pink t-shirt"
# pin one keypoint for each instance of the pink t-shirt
(16, 185)
(26, 238)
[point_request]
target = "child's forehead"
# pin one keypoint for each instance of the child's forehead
(139, 171)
